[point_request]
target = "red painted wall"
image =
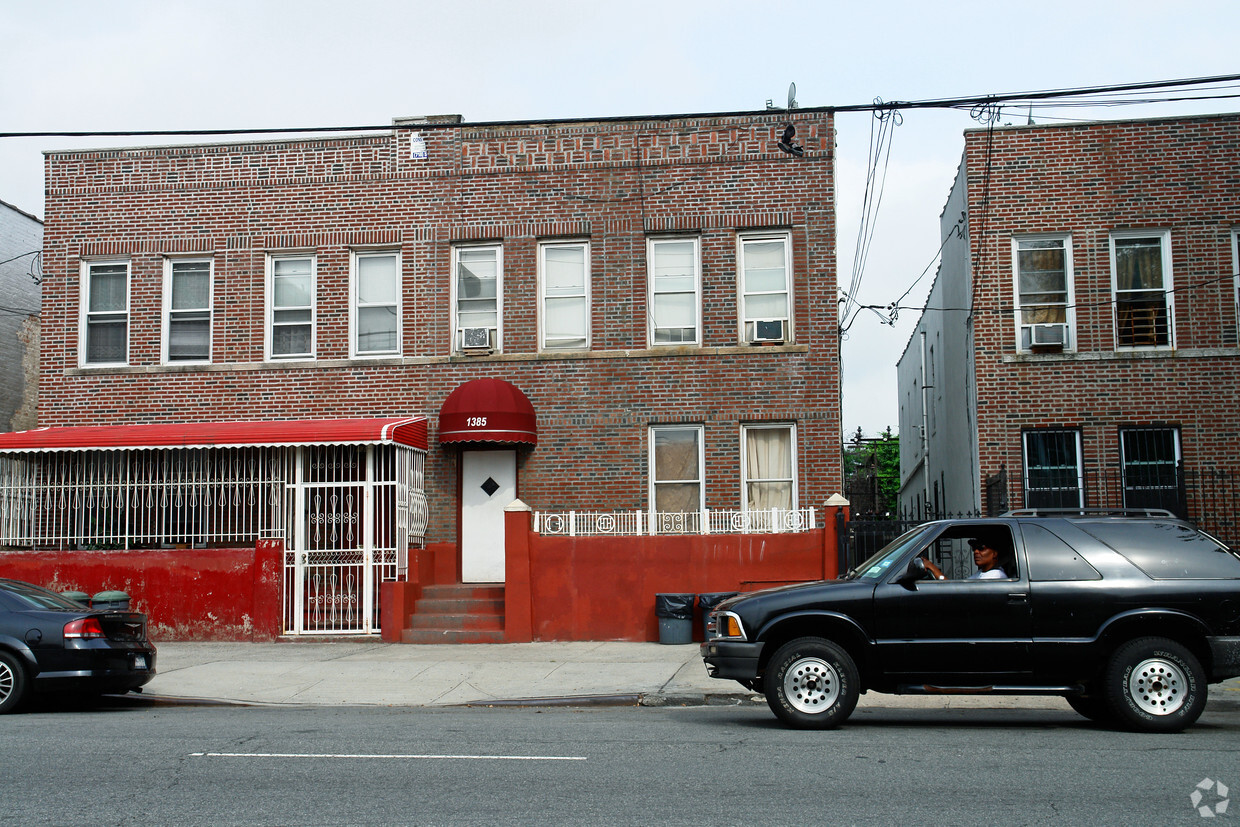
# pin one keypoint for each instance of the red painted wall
(187, 594)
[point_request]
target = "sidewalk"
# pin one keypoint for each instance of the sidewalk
(381, 674)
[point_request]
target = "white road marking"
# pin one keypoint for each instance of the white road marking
(391, 756)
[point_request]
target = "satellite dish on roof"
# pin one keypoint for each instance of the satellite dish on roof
(792, 96)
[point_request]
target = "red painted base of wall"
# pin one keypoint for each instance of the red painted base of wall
(186, 594)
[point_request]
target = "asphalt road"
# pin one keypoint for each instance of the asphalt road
(131, 763)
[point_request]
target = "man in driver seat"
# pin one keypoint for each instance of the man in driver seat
(985, 557)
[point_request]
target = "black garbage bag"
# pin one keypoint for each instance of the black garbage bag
(674, 606)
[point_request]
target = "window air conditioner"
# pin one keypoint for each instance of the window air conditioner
(769, 330)
(476, 338)
(1048, 335)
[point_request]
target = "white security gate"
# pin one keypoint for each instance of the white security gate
(343, 531)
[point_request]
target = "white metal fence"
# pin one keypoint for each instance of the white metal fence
(147, 498)
(638, 523)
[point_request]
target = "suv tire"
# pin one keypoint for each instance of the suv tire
(812, 683)
(1153, 684)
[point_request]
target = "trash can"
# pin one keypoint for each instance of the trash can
(675, 613)
(110, 602)
(80, 597)
(708, 602)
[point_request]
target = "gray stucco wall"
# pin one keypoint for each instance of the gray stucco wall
(21, 235)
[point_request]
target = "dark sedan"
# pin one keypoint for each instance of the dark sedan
(49, 643)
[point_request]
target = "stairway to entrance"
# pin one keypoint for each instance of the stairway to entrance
(457, 613)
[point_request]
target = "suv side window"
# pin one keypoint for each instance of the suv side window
(1167, 551)
(1050, 558)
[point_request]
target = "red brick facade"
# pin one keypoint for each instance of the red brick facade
(615, 183)
(1177, 180)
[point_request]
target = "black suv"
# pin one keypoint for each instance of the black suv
(1127, 617)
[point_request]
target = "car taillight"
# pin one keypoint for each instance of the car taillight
(84, 627)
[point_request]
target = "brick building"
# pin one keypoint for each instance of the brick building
(1078, 348)
(20, 242)
(614, 315)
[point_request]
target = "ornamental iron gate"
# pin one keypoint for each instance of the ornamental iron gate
(348, 534)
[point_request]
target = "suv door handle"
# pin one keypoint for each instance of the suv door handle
(1019, 597)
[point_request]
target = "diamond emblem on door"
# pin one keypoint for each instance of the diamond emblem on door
(490, 486)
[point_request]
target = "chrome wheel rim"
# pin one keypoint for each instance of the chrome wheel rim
(811, 685)
(6, 681)
(1158, 686)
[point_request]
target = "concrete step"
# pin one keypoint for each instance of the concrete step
(451, 636)
(457, 622)
(455, 591)
(459, 605)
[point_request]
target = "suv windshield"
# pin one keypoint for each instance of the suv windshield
(880, 563)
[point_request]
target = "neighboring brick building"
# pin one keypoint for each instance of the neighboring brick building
(1080, 339)
(656, 297)
(21, 239)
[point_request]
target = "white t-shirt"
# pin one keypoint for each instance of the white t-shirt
(997, 573)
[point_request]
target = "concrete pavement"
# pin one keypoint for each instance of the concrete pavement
(372, 673)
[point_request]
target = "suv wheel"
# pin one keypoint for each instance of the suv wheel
(812, 683)
(1155, 685)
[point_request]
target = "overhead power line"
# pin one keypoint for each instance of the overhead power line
(966, 101)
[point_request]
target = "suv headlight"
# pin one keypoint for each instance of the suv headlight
(728, 625)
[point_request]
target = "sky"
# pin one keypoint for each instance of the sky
(77, 65)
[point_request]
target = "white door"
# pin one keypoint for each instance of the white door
(488, 484)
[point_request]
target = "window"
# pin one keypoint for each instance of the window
(676, 460)
(477, 287)
(1053, 469)
(765, 278)
(1141, 279)
(674, 305)
(290, 292)
(564, 268)
(187, 310)
(1043, 275)
(1235, 269)
(105, 328)
(768, 467)
(1150, 461)
(376, 304)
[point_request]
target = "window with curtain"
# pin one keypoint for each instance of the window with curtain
(1043, 291)
(292, 307)
(673, 273)
(188, 323)
(1142, 281)
(107, 313)
(770, 481)
(676, 463)
(1053, 476)
(477, 283)
(765, 280)
(565, 270)
(376, 314)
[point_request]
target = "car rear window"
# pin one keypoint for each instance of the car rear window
(36, 598)
(1169, 551)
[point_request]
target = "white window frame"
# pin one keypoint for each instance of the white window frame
(699, 435)
(356, 305)
(1235, 269)
(1127, 465)
(746, 334)
(170, 264)
(651, 245)
(1065, 239)
(544, 298)
(746, 479)
(1168, 285)
(269, 303)
(498, 330)
(87, 317)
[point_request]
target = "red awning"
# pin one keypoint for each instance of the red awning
(410, 431)
(488, 410)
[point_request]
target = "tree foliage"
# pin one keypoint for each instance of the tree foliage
(872, 472)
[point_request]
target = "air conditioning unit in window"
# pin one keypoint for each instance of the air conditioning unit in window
(1048, 336)
(769, 330)
(475, 338)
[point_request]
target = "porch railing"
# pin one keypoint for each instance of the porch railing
(645, 523)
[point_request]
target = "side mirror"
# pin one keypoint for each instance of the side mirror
(916, 571)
